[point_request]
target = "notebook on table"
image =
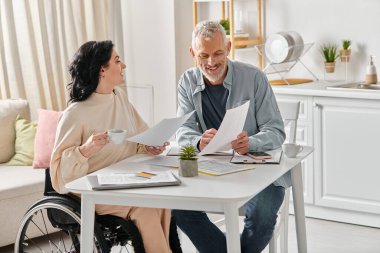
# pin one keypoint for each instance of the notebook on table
(132, 180)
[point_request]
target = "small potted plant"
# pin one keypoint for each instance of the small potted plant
(345, 52)
(226, 25)
(188, 165)
(330, 54)
(238, 37)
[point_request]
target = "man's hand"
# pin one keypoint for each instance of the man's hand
(156, 150)
(207, 137)
(241, 143)
(93, 144)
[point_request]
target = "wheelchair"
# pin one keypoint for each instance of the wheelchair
(56, 219)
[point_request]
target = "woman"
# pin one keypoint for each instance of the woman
(82, 146)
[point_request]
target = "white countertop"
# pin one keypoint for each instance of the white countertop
(319, 89)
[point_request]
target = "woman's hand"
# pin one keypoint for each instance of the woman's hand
(156, 150)
(93, 144)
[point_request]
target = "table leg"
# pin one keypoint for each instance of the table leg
(299, 208)
(87, 224)
(232, 228)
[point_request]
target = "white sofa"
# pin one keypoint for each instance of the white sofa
(20, 186)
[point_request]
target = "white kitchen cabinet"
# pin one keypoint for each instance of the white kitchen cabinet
(341, 178)
(346, 156)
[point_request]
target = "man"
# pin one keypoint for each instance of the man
(218, 84)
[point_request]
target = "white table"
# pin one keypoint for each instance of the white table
(224, 194)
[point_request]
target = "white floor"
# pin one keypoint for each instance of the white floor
(323, 237)
(327, 237)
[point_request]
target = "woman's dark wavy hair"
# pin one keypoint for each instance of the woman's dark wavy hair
(85, 68)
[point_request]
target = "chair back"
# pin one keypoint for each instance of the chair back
(289, 112)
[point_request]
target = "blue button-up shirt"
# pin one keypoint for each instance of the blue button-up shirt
(245, 82)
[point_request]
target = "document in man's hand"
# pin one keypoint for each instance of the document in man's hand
(132, 180)
(231, 126)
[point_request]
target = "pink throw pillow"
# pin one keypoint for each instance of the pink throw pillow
(45, 136)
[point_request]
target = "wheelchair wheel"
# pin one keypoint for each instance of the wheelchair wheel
(54, 224)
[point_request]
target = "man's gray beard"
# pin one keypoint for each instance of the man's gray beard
(218, 77)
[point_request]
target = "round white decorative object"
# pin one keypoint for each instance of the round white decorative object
(284, 46)
(277, 48)
(296, 46)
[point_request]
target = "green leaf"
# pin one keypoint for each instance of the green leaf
(346, 44)
(226, 25)
(188, 153)
(329, 52)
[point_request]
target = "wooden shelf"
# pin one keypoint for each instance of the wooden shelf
(249, 42)
(207, 1)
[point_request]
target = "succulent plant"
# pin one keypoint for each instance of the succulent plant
(330, 52)
(188, 153)
(346, 44)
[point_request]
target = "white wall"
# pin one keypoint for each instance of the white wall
(158, 34)
(326, 21)
(149, 51)
(183, 29)
(330, 21)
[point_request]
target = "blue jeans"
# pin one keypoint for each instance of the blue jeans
(260, 220)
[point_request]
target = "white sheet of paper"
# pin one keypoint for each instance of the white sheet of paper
(231, 126)
(158, 134)
(176, 150)
(160, 160)
(218, 168)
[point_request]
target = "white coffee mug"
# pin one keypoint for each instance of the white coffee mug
(291, 149)
(117, 136)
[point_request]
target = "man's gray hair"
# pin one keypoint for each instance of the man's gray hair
(207, 29)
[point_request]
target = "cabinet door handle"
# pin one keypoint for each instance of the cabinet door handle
(317, 105)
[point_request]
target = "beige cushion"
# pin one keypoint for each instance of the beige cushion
(9, 109)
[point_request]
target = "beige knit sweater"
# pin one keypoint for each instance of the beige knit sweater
(99, 113)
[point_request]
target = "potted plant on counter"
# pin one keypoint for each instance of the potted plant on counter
(329, 52)
(188, 165)
(345, 52)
